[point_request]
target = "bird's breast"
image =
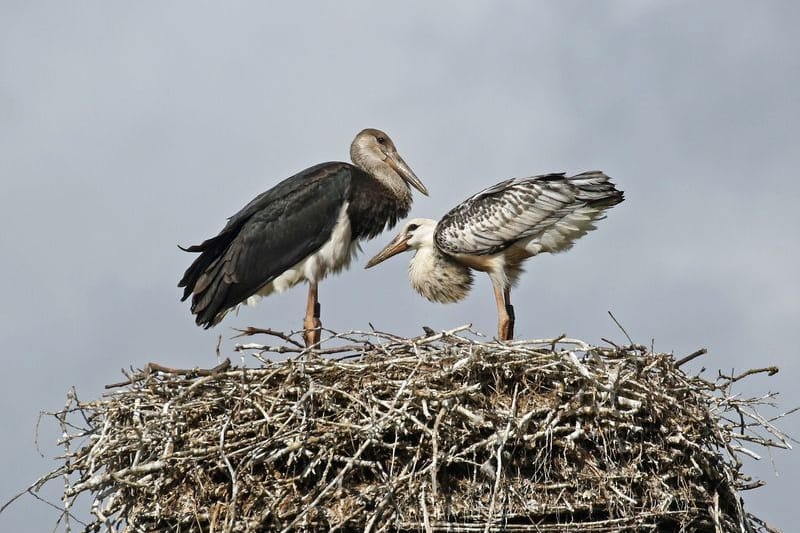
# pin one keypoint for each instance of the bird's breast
(334, 255)
(439, 278)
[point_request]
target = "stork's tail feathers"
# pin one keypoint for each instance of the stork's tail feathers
(207, 282)
(594, 193)
(596, 189)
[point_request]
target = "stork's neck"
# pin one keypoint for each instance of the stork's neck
(438, 277)
(386, 175)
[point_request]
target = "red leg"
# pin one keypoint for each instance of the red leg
(510, 312)
(312, 323)
(505, 321)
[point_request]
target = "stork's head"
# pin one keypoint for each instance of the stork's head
(416, 234)
(374, 153)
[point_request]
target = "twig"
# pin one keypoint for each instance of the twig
(189, 372)
(693, 355)
(630, 341)
(230, 518)
(499, 455)
(250, 331)
(770, 371)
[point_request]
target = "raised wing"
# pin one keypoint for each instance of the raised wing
(551, 207)
(275, 231)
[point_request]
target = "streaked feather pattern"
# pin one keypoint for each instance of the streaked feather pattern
(495, 231)
(544, 213)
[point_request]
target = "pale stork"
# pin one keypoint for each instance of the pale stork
(496, 230)
(300, 230)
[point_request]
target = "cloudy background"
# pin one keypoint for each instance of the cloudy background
(126, 128)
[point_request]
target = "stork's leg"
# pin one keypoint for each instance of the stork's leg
(510, 312)
(505, 322)
(312, 323)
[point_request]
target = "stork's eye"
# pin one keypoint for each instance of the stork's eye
(381, 140)
(412, 227)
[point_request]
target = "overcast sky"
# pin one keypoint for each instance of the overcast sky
(127, 128)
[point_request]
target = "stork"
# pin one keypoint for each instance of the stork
(302, 229)
(496, 230)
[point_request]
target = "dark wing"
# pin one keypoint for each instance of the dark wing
(515, 209)
(275, 231)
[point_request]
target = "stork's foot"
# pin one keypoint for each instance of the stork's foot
(505, 327)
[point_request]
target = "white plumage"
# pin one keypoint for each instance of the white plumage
(496, 230)
(335, 255)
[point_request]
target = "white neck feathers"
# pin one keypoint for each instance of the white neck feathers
(437, 277)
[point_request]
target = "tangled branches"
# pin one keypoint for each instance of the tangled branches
(434, 433)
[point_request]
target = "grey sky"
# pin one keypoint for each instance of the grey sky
(126, 128)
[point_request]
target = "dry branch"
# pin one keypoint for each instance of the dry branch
(436, 433)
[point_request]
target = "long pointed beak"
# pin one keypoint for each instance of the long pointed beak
(400, 166)
(398, 244)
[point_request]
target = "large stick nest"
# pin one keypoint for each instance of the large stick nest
(428, 434)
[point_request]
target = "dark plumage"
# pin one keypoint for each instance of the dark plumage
(301, 229)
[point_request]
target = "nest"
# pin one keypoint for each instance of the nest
(435, 433)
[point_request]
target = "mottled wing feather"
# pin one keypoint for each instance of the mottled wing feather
(269, 235)
(518, 209)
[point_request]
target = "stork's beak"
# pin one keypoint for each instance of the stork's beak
(400, 166)
(398, 244)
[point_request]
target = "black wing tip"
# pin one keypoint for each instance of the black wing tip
(194, 248)
(612, 196)
(596, 188)
(203, 318)
(615, 198)
(206, 320)
(187, 284)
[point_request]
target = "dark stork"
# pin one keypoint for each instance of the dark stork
(300, 230)
(496, 230)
